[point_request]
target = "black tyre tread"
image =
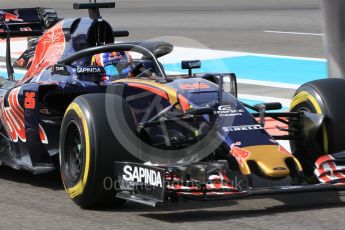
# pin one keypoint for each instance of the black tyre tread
(105, 150)
(329, 93)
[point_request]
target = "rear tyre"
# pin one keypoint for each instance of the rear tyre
(88, 149)
(320, 97)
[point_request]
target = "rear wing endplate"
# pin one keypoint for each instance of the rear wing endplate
(24, 22)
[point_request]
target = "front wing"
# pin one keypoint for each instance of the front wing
(149, 185)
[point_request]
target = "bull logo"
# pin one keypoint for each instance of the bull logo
(240, 154)
(12, 17)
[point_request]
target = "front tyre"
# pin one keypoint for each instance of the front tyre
(322, 97)
(88, 149)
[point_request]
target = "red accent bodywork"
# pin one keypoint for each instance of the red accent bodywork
(217, 185)
(13, 119)
(283, 150)
(152, 89)
(49, 50)
(183, 102)
(12, 17)
(194, 86)
(327, 171)
(20, 62)
(240, 154)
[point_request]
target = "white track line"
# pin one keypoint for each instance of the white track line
(283, 101)
(268, 83)
(185, 53)
(287, 57)
(254, 82)
(180, 53)
(288, 32)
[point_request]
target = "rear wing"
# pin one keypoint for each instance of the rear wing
(26, 22)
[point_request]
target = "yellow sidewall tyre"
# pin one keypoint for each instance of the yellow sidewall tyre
(88, 150)
(322, 97)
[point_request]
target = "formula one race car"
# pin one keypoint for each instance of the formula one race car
(119, 128)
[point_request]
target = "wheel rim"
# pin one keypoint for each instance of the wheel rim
(73, 153)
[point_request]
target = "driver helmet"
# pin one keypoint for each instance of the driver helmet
(116, 64)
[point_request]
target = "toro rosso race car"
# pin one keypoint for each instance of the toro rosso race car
(119, 128)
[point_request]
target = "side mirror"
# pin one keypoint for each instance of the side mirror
(263, 107)
(228, 82)
(268, 106)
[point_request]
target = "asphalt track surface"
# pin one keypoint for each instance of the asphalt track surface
(39, 202)
(236, 25)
